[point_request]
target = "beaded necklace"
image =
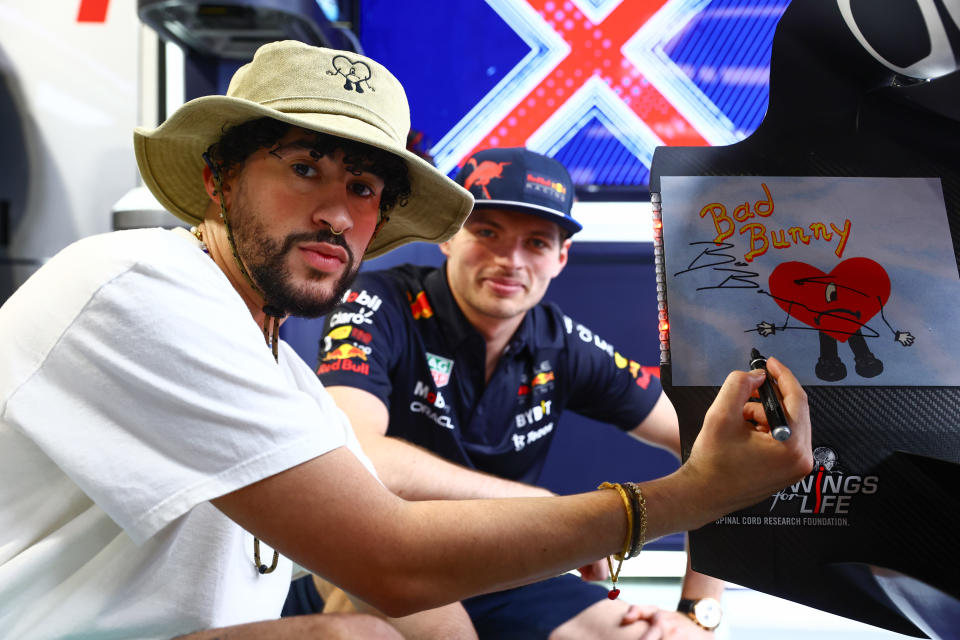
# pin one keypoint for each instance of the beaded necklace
(271, 334)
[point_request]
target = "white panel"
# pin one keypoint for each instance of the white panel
(614, 221)
(77, 83)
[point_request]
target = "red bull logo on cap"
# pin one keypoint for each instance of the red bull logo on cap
(546, 182)
(543, 186)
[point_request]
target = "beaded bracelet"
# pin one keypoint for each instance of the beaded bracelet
(639, 504)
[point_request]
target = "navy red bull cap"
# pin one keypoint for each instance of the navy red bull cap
(521, 180)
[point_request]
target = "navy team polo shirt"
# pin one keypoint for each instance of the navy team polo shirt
(400, 335)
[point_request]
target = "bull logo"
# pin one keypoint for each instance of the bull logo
(420, 306)
(344, 352)
(482, 174)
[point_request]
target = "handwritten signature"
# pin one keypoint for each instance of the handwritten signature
(713, 257)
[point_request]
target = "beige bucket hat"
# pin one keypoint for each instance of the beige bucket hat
(335, 92)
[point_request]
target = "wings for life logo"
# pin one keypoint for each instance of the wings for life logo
(826, 497)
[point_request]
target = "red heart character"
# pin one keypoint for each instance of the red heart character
(838, 303)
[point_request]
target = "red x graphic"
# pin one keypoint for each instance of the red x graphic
(595, 50)
(92, 11)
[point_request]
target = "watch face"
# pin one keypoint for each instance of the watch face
(707, 612)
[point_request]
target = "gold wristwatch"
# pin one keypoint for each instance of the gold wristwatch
(705, 612)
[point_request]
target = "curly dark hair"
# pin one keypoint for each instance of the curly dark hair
(240, 141)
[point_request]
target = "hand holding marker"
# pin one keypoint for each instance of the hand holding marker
(770, 400)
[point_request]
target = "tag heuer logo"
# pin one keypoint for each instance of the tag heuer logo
(440, 369)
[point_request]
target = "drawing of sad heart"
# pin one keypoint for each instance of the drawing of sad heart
(838, 305)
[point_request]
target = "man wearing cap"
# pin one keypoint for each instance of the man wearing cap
(164, 457)
(467, 362)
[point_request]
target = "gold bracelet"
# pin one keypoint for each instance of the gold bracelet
(627, 543)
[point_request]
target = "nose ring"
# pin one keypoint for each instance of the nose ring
(335, 232)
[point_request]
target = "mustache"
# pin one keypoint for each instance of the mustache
(320, 236)
(503, 272)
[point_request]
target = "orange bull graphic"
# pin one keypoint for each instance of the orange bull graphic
(542, 378)
(344, 352)
(483, 173)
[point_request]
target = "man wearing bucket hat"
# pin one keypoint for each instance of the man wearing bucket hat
(160, 468)
(466, 362)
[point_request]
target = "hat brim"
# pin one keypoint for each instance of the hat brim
(569, 225)
(171, 163)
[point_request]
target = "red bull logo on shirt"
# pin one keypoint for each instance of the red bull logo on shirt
(542, 381)
(420, 306)
(345, 351)
(542, 378)
(342, 359)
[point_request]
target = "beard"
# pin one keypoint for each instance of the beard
(265, 260)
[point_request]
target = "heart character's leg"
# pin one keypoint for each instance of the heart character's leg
(867, 364)
(829, 366)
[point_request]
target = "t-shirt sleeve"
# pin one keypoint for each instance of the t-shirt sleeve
(162, 394)
(605, 385)
(363, 336)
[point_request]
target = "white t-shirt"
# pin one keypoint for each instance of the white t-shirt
(134, 387)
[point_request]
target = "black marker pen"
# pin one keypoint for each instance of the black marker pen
(770, 400)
